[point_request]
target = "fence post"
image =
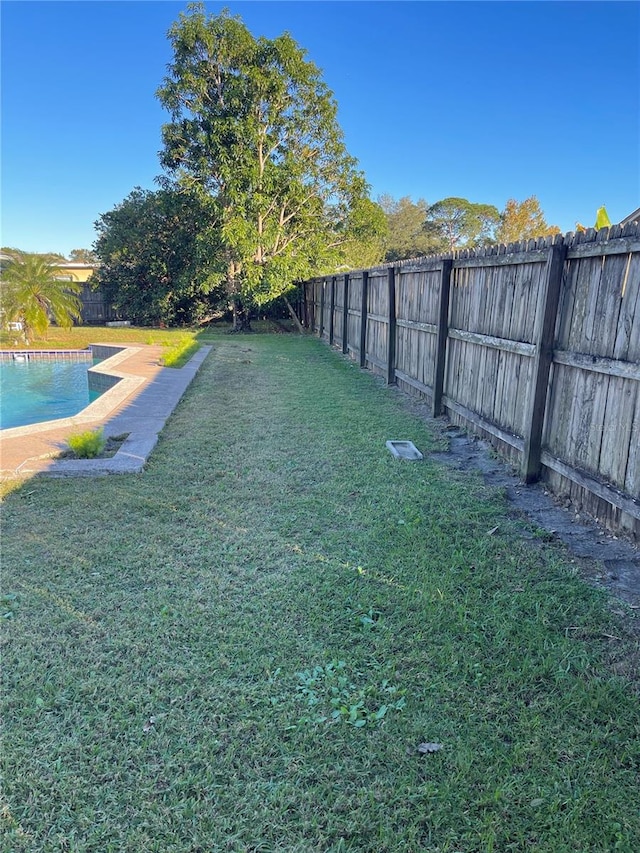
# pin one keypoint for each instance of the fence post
(321, 322)
(363, 319)
(391, 342)
(304, 307)
(332, 305)
(443, 332)
(544, 335)
(306, 304)
(345, 314)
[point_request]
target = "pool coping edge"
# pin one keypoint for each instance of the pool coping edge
(167, 391)
(137, 447)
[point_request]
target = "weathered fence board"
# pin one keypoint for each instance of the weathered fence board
(592, 419)
(391, 307)
(417, 293)
(352, 318)
(338, 310)
(545, 314)
(378, 322)
(364, 310)
(535, 346)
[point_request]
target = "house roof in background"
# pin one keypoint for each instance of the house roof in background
(632, 217)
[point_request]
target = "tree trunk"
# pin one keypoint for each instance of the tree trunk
(241, 317)
(241, 312)
(294, 316)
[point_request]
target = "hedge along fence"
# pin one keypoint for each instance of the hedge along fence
(534, 346)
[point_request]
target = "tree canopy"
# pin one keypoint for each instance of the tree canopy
(82, 256)
(33, 293)
(365, 231)
(406, 235)
(158, 257)
(460, 223)
(254, 127)
(522, 220)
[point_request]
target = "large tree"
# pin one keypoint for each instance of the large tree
(522, 220)
(82, 256)
(407, 236)
(254, 127)
(33, 293)
(462, 224)
(158, 261)
(365, 233)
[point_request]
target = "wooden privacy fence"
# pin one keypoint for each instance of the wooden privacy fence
(535, 346)
(94, 310)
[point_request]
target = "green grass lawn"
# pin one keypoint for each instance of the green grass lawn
(243, 648)
(79, 337)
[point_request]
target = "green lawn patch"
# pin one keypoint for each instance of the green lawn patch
(79, 337)
(254, 645)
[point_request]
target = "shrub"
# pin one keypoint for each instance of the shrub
(88, 444)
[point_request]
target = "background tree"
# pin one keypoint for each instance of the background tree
(53, 256)
(523, 220)
(82, 256)
(365, 235)
(158, 260)
(33, 294)
(254, 127)
(407, 236)
(462, 224)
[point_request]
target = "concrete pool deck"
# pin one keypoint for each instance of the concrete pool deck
(138, 404)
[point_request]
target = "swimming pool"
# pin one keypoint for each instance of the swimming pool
(34, 389)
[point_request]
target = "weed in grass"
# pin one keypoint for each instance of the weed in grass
(88, 444)
(8, 602)
(364, 620)
(334, 697)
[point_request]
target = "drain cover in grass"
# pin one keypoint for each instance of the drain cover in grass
(404, 450)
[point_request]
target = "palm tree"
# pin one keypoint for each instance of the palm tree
(33, 294)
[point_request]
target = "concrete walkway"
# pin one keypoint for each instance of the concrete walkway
(139, 404)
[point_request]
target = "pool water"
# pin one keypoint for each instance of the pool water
(37, 390)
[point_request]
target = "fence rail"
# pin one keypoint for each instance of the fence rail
(535, 346)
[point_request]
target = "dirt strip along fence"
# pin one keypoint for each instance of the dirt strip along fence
(534, 346)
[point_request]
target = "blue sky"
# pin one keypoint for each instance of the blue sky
(485, 100)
